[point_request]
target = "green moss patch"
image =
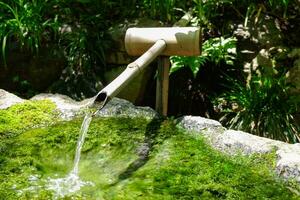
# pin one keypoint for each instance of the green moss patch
(23, 116)
(133, 159)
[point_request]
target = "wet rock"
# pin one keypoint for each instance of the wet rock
(122, 108)
(8, 99)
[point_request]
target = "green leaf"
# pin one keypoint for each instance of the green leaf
(3, 51)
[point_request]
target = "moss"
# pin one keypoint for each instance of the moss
(29, 114)
(133, 159)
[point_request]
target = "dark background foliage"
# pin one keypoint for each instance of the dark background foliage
(62, 45)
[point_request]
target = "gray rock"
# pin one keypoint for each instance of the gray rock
(208, 128)
(122, 108)
(195, 123)
(288, 161)
(232, 141)
(288, 155)
(257, 43)
(229, 141)
(68, 107)
(8, 99)
(242, 32)
(294, 72)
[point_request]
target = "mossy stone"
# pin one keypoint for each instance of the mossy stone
(129, 158)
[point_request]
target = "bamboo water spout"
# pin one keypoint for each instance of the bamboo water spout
(150, 43)
(132, 70)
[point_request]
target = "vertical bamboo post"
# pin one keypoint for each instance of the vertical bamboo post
(162, 85)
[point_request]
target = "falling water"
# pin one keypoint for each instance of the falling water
(84, 128)
(72, 183)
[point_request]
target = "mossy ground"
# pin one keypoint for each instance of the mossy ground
(132, 159)
(26, 115)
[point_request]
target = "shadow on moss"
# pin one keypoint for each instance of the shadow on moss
(143, 152)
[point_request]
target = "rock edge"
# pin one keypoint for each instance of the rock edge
(232, 141)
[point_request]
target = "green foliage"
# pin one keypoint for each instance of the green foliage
(29, 114)
(23, 85)
(214, 50)
(75, 28)
(155, 7)
(82, 36)
(209, 14)
(280, 5)
(264, 107)
(82, 54)
(220, 49)
(207, 10)
(254, 9)
(194, 63)
(74, 31)
(24, 22)
(162, 10)
(133, 159)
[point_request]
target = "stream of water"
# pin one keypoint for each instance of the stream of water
(72, 183)
(83, 131)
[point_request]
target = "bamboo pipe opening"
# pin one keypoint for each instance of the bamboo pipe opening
(101, 97)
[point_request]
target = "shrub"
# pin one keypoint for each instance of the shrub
(264, 107)
(214, 50)
(25, 23)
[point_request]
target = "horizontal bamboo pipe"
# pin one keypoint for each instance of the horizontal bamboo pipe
(181, 41)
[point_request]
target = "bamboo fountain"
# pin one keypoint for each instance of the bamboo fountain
(149, 43)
